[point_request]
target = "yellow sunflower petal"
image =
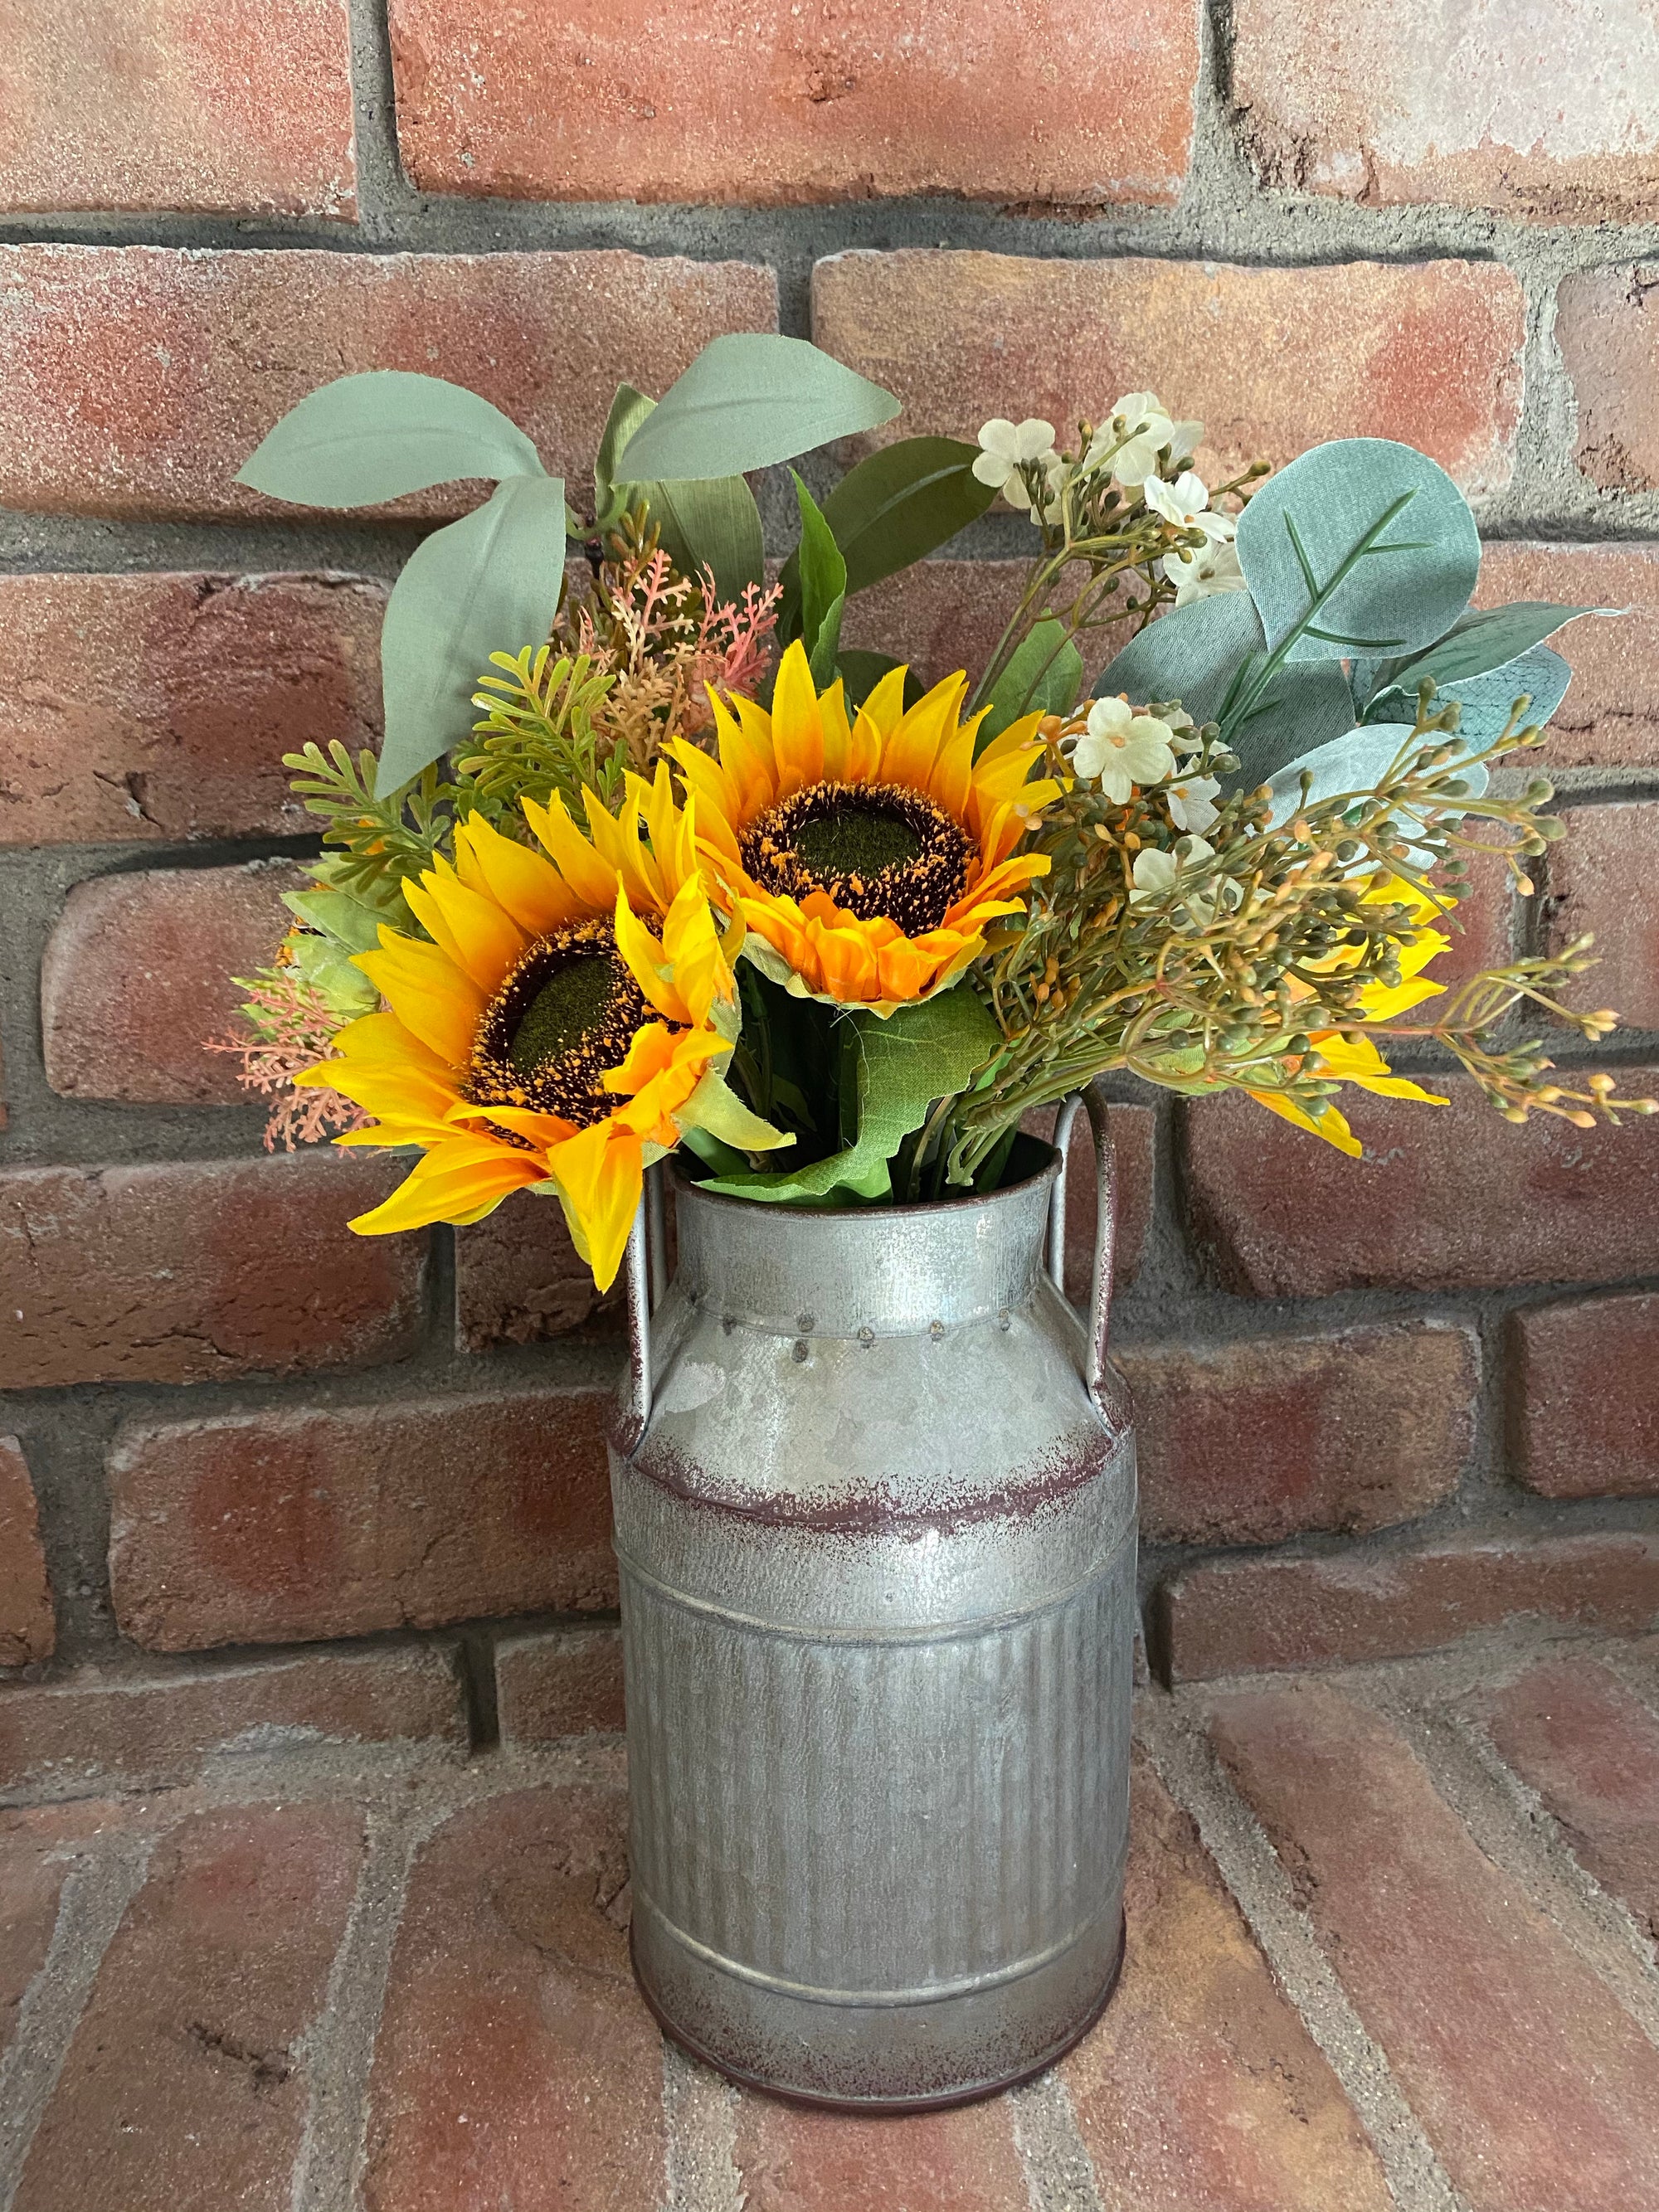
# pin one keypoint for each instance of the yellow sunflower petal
(523, 882)
(450, 1181)
(430, 994)
(1331, 1126)
(645, 960)
(480, 937)
(593, 882)
(796, 725)
(884, 707)
(600, 1173)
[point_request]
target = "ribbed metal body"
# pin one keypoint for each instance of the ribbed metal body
(877, 1556)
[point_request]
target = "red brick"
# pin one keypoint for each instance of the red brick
(1236, 1616)
(1587, 1379)
(1250, 1441)
(1481, 927)
(558, 1682)
(1609, 717)
(136, 379)
(519, 1280)
(1453, 1971)
(793, 2160)
(137, 708)
(186, 2085)
(790, 105)
(1133, 1141)
(196, 1270)
(1446, 1197)
(139, 975)
(1604, 881)
(1608, 335)
(515, 2064)
(1520, 113)
(157, 1728)
(270, 1528)
(243, 109)
(1428, 352)
(1200, 2090)
(28, 1628)
(1591, 1751)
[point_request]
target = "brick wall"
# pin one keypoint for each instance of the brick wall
(257, 1476)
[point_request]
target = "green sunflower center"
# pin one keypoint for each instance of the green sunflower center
(880, 850)
(564, 1015)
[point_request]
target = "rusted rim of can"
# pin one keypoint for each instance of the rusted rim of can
(877, 2107)
(1046, 1173)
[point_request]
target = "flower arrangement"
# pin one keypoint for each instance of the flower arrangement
(651, 862)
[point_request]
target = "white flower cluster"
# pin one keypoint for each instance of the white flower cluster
(1119, 749)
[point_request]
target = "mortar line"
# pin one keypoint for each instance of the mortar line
(1186, 1765)
(1059, 2174)
(91, 1905)
(699, 2110)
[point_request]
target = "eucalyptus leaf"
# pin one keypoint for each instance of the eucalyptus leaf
(901, 503)
(860, 672)
(750, 400)
(488, 583)
(1044, 676)
(1486, 701)
(921, 1054)
(1353, 762)
(366, 439)
(1479, 642)
(1360, 546)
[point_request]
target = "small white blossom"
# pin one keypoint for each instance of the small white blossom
(1156, 874)
(1005, 447)
(1119, 748)
(1198, 571)
(1151, 429)
(1189, 802)
(1183, 731)
(1186, 502)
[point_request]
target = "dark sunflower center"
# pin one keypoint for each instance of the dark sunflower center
(877, 849)
(562, 1017)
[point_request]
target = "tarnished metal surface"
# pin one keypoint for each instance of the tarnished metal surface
(877, 1541)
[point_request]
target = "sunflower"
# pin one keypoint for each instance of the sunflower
(865, 857)
(545, 1037)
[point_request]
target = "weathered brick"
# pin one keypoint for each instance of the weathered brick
(156, 1728)
(186, 2085)
(138, 976)
(1446, 1197)
(784, 105)
(33, 1868)
(1134, 1137)
(196, 1270)
(245, 109)
(519, 1280)
(1604, 880)
(1586, 1413)
(268, 1527)
(1452, 1969)
(1200, 2090)
(1609, 717)
(1518, 112)
(1608, 335)
(1249, 1441)
(557, 1682)
(793, 2161)
(137, 708)
(29, 1628)
(1238, 1616)
(136, 379)
(515, 2063)
(1590, 1750)
(1428, 352)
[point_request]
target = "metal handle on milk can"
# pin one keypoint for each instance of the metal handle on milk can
(1104, 1391)
(648, 1278)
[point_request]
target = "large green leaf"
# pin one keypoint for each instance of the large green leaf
(628, 411)
(749, 400)
(820, 585)
(901, 503)
(1044, 676)
(715, 522)
(1540, 676)
(488, 583)
(1354, 762)
(1358, 546)
(337, 914)
(1478, 643)
(921, 1054)
(363, 439)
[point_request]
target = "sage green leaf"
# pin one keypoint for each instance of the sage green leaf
(628, 411)
(901, 503)
(332, 972)
(488, 583)
(715, 522)
(921, 1054)
(1486, 701)
(860, 672)
(1478, 642)
(750, 400)
(338, 915)
(1360, 546)
(1306, 704)
(366, 439)
(1044, 676)
(822, 583)
(1353, 763)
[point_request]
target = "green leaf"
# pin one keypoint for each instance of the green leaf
(1480, 642)
(921, 1054)
(749, 400)
(861, 671)
(1540, 676)
(715, 521)
(348, 921)
(628, 411)
(1044, 676)
(363, 439)
(488, 583)
(319, 962)
(823, 585)
(900, 503)
(1353, 762)
(1358, 546)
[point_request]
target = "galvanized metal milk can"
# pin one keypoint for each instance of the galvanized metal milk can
(875, 1499)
